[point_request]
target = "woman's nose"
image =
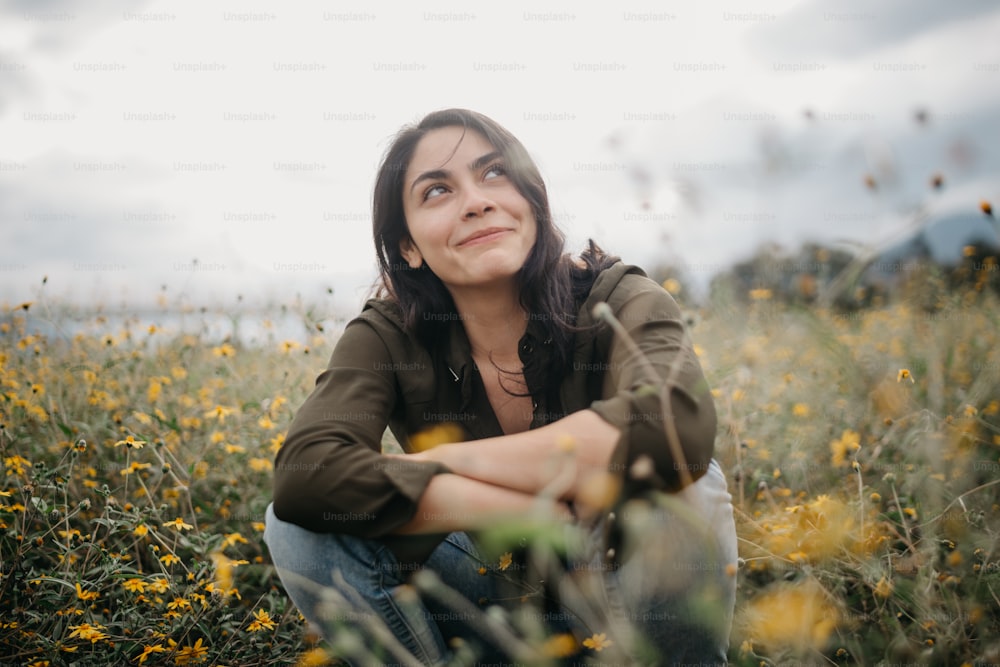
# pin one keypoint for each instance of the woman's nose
(476, 203)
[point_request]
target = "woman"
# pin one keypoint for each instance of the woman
(483, 323)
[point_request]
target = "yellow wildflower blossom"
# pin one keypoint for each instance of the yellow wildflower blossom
(148, 651)
(797, 616)
(848, 443)
(16, 465)
(135, 466)
(316, 657)
(224, 350)
(219, 412)
(561, 646)
(190, 654)
(260, 464)
(883, 588)
(232, 539)
(86, 596)
(135, 585)
(262, 621)
(87, 631)
(178, 524)
(159, 585)
(131, 443)
(597, 642)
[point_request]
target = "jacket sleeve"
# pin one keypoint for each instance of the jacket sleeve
(330, 475)
(653, 389)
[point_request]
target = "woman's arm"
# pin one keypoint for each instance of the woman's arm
(454, 502)
(558, 458)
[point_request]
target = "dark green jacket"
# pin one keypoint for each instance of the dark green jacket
(331, 477)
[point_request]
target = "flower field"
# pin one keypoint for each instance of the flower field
(862, 448)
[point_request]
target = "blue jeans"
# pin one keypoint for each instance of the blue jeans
(669, 601)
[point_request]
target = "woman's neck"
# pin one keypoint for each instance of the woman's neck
(494, 320)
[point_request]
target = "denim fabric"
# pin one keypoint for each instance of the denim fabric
(671, 600)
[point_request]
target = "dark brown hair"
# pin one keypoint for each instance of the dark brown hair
(550, 284)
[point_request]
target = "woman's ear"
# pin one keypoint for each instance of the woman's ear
(411, 253)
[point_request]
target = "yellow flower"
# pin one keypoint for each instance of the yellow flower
(262, 621)
(179, 603)
(154, 391)
(260, 464)
(597, 642)
(87, 631)
(759, 294)
(505, 560)
(800, 410)
(848, 443)
(131, 443)
(317, 657)
(190, 654)
(436, 435)
(219, 412)
(224, 350)
(791, 615)
(904, 374)
(159, 585)
(560, 646)
(148, 651)
(178, 524)
(135, 585)
(232, 539)
(169, 559)
(86, 596)
(970, 411)
(141, 530)
(135, 466)
(16, 464)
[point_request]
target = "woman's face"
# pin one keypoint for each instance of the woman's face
(466, 218)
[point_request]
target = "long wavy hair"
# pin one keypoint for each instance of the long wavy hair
(550, 284)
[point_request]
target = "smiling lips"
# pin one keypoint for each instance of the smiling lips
(484, 235)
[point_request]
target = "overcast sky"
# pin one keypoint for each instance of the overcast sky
(136, 138)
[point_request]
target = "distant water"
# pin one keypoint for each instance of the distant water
(250, 328)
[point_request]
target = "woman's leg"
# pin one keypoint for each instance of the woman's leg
(340, 580)
(676, 585)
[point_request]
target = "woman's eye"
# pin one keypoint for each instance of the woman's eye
(431, 192)
(495, 169)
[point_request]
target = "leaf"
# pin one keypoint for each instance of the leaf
(40, 504)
